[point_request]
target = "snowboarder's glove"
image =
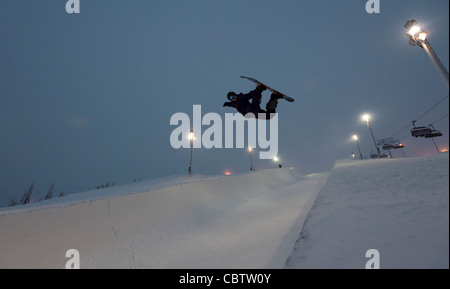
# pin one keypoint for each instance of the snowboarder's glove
(230, 104)
(260, 87)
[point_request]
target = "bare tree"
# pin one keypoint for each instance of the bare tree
(50, 192)
(12, 202)
(26, 198)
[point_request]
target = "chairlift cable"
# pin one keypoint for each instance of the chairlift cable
(401, 130)
(404, 137)
(439, 102)
(439, 119)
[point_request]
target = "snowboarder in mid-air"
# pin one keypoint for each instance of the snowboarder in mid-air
(241, 102)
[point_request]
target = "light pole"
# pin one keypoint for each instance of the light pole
(276, 159)
(418, 37)
(192, 138)
(250, 150)
(355, 137)
(366, 117)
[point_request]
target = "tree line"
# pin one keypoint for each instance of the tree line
(26, 197)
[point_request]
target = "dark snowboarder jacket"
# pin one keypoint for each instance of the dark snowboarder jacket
(243, 104)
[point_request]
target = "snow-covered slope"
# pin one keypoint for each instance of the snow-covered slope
(109, 192)
(244, 221)
(400, 207)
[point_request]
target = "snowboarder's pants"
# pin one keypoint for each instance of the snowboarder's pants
(256, 109)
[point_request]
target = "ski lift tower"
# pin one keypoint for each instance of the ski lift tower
(389, 144)
(434, 133)
(366, 118)
(355, 138)
(418, 37)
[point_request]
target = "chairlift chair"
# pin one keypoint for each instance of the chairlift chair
(383, 155)
(434, 133)
(420, 131)
(391, 144)
(388, 147)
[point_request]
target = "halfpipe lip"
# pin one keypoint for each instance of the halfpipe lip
(119, 191)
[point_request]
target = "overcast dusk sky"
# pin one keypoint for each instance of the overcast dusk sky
(87, 98)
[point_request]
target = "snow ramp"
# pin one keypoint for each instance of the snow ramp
(398, 207)
(243, 221)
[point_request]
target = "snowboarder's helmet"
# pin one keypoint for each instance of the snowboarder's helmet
(230, 95)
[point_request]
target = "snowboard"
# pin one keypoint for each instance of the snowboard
(290, 99)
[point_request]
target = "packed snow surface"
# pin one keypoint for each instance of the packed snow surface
(267, 219)
(400, 207)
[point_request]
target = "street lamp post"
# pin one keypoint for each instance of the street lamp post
(418, 37)
(366, 117)
(277, 160)
(191, 137)
(250, 150)
(355, 137)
